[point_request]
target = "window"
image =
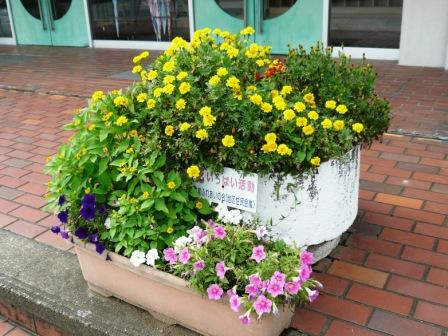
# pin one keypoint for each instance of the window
(5, 25)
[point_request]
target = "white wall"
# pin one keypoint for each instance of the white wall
(424, 33)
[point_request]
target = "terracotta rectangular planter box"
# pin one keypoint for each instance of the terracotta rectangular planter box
(168, 298)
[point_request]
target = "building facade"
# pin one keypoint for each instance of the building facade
(414, 32)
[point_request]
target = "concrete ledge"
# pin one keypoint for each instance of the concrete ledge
(47, 283)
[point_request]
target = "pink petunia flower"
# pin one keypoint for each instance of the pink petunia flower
(306, 257)
(184, 255)
(260, 232)
(170, 255)
(292, 287)
(275, 288)
(219, 231)
(305, 272)
(258, 253)
(262, 305)
(221, 269)
(279, 276)
(312, 294)
(251, 289)
(255, 280)
(214, 292)
(198, 265)
(235, 303)
(245, 319)
(211, 223)
(231, 291)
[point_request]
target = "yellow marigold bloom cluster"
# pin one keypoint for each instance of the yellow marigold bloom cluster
(287, 89)
(169, 66)
(233, 83)
(309, 99)
(256, 99)
(266, 107)
(315, 161)
(214, 80)
(289, 114)
(107, 116)
(141, 97)
(97, 96)
(176, 44)
(171, 185)
(327, 123)
(151, 75)
(168, 79)
(299, 106)
(121, 101)
(308, 130)
(169, 130)
(181, 75)
(133, 133)
(253, 51)
(247, 31)
(201, 134)
(121, 121)
(137, 69)
(330, 104)
(184, 87)
(168, 89)
(301, 121)
(151, 103)
(207, 118)
(270, 145)
(198, 205)
(157, 92)
(283, 149)
(338, 125)
(279, 103)
(342, 109)
(358, 127)
(184, 127)
(228, 141)
(313, 115)
(221, 72)
(232, 52)
(194, 172)
(181, 104)
(141, 56)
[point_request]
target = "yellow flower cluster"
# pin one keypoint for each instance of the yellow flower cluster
(121, 101)
(97, 96)
(228, 141)
(270, 145)
(208, 118)
(194, 172)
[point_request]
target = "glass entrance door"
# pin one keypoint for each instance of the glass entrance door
(278, 23)
(50, 22)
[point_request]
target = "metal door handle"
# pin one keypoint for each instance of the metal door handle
(51, 10)
(245, 12)
(260, 17)
(42, 18)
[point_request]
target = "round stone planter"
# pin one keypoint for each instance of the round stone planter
(313, 211)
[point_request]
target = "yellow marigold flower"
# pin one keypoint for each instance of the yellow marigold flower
(268, 147)
(141, 97)
(49, 158)
(283, 149)
(194, 171)
(184, 87)
(270, 137)
(266, 107)
(87, 191)
(137, 69)
(151, 103)
(237, 95)
(107, 116)
(144, 54)
(105, 150)
(205, 111)
(132, 200)
(288, 114)
(121, 101)
(121, 121)
(208, 120)
(287, 89)
(171, 185)
(233, 82)
(251, 88)
(256, 99)
(168, 89)
(260, 63)
(180, 104)
(358, 127)
(198, 205)
(327, 123)
(115, 92)
(315, 161)
(143, 74)
(221, 72)
(91, 127)
(137, 59)
(169, 66)
(168, 79)
(184, 126)
(169, 230)
(338, 125)
(279, 103)
(330, 104)
(151, 75)
(308, 130)
(228, 141)
(169, 130)
(313, 115)
(181, 75)
(145, 195)
(299, 107)
(309, 98)
(214, 80)
(130, 150)
(97, 96)
(133, 133)
(232, 52)
(274, 93)
(301, 121)
(201, 134)
(342, 109)
(247, 31)
(157, 92)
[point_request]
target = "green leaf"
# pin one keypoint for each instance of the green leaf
(300, 156)
(103, 165)
(103, 134)
(178, 197)
(160, 205)
(147, 204)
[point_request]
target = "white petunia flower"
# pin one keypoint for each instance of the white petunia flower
(222, 210)
(233, 217)
(108, 223)
(151, 257)
(181, 242)
(260, 232)
(247, 217)
(137, 258)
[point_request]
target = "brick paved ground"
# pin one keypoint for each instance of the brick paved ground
(389, 275)
(9, 329)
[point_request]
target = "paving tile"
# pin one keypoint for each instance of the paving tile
(339, 328)
(10, 193)
(438, 276)
(432, 313)
(308, 321)
(31, 200)
(358, 273)
(5, 327)
(418, 289)
(333, 285)
(28, 213)
(399, 200)
(372, 244)
(54, 240)
(409, 238)
(26, 229)
(425, 257)
(419, 215)
(7, 206)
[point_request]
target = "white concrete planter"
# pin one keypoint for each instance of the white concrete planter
(316, 210)
(167, 297)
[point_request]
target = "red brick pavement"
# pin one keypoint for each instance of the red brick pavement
(389, 275)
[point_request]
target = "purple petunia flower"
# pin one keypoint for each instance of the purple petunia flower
(220, 232)
(255, 280)
(235, 303)
(63, 216)
(211, 223)
(312, 294)
(94, 238)
(262, 305)
(278, 276)
(55, 229)
(292, 287)
(198, 265)
(305, 272)
(89, 200)
(221, 269)
(245, 319)
(275, 288)
(306, 257)
(184, 255)
(99, 247)
(64, 234)
(61, 200)
(214, 292)
(102, 210)
(258, 253)
(170, 255)
(81, 233)
(87, 212)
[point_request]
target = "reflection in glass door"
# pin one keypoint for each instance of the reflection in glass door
(5, 23)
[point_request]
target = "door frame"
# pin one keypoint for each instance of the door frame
(355, 52)
(9, 40)
(123, 44)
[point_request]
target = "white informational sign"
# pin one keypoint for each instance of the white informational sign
(229, 188)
